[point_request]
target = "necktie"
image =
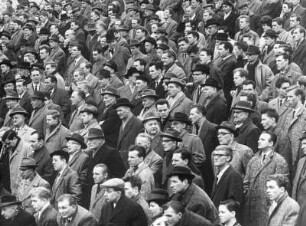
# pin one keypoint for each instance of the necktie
(35, 87)
(98, 189)
(263, 158)
(293, 113)
(281, 102)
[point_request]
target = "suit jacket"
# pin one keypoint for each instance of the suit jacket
(61, 98)
(75, 122)
(82, 217)
(216, 109)
(298, 56)
(58, 56)
(97, 201)
(25, 102)
(71, 66)
(79, 163)
(182, 104)
(68, 183)
(248, 134)
(56, 139)
(285, 213)
(38, 119)
(47, 217)
(274, 103)
(128, 135)
(30, 87)
(126, 212)
(229, 186)
(299, 183)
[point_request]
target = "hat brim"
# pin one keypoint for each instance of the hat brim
(89, 29)
(110, 93)
(124, 105)
(83, 145)
(175, 82)
(177, 173)
(20, 113)
(171, 137)
(11, 98)
(150, 96)
(211, 85)
(227, 128)
(95, 137)
(252, 53)
(243, 109)
(151, 118)
(188, 122)
(9, 204)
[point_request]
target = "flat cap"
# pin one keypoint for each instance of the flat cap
(114, 183)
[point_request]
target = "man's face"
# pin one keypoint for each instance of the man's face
(143, 142)
(147, 102)
(178, 161)
(209, 91)
(163, 110)
(282, 90)
(204, 58)
(20, 88)
(134, 159)
(178, 126)
(93, 143)
(191, 39)
(25, 174)
(49, 84)
(4, 68)
(244, 10)
(264, 141)
(139, 34)
(152, 127)
(43, 54)
(224, 136)
(27, 32)
(75, 52)
(8, 87)
(155, 209)
(238, 80)
(183, 46)
(8, 212)
(65, 209)
(108, 99)
(85, 117)
(293, 22)
(239, 116)
(225, 215)
(148, 47)
(248, 88)
(211, 29)
(51, 121)
(176, 185)
(130, 192)
(166, 59)
(273, 190)
(36, 103)
(75, 99)
(220, 158)
(73, 146)
(37, 203)
(111, 195)
(276, 27)
(98, 175)
(223, 52)
(297, 35)
(173, 89)
(292, 99)
(123, 112)
(194, 115)
(168, 144)
(267, 122)
(77, 77)
(154, 73)
(281, 63)
(243, 23)
(140, 85)
(34, 142)
(57, 163)
(251, 58)
(172, 217)
(269, 41)
(18, 120)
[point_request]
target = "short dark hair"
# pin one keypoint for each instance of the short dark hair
(227, 149)
(231, 205)
(207, 51)
(162, 102)
(177, 206)
(300, 92)
(241, 46)
(271, 113)
(195, 34)
(242, 72)
(200, 108)
(135, 181)
(280, 81)
(279, 21)
(227, 46)
(141, 150)
(142, 62)
(52, 78)
(249, 82)
(266, 20)
(40, 135)
(281, 180)
(157, 64)
(192, 49)
(69, 197)
(9, 135)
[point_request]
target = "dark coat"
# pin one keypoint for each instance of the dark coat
(38, 119)
(82, 217)
(230, 23)
(248, 134)
(25, 102)
(228, 187)
(128, 135)
(126, 212)
(299, 183)
(190, 218)
(61, 98)
(68, 183)
(23, 218)
(298, 56)
(79, 163)
(216, 109)
(48, 217)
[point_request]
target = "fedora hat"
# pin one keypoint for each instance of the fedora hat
(212, 21)
(78, 138)
(38, 95)
(103, 73)
(150, 116)
(160, 196)
(19, 110)
(6, 62)
(111, 91)
(181, 170)
(90, 27)
(11, 95)
(8, 200)
(172, 134)
(8, 80)
(27, 163)
(150, 40)
(211, 82)
(154, 17)
(229, 3)
(123, 102)
(228, 126)
(90, 109)
(95, 133)
(243, 106)
(112, 65)
(176, 81)
(202, 68)
(149, 93)
(61, 153)
(123, 28)
(181, 117)
(252, 50)
(132, 71)
(44, 31)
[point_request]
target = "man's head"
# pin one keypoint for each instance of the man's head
(269, 118)
(200, 73)
(40, 196)
(277, 185)
(248, 86)
(144, 140)
(295, 97)
(241, 113)
(270, 37)
(75, 50)
(240, 75)
(37, 140)
(170, 138)
(295, 21)
(173, 212)
(163, 108)
(228, 210)
(155, 70)
(59, 160)
(197, 113)
(277, 25)
(225, 48)
(266, 141)
(53, 118)
(244, 22)
(21, 86)
(10, 138)
(136, 155)
(282, 61)
(114, 189)
(95, 138)
(181, 157)
(226, 133)
(282, 84)
(168, 57)
(299, 34)
(179, 122)
(100, 173)
(222, 156)
(8, 212)
(51, 82)
(67, 205)
(132, 186)
(180, 179)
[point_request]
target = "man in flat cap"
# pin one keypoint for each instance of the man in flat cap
(11, 101)
(120, 210)
(29, 179)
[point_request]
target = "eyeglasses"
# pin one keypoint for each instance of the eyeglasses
(222, 134)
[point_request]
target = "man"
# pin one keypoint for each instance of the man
(77, 100)
(199, 74)
(19, 116)
(15, 150)
(228, 182)
(247, 132)
(259, 72)
(45, 214)
(25, 98)
(206, 132)
(119, 210)
(283, 35)
(29, 179)
(176, 214)
(283, 209)
(163, 111)
(215, 103)
(141, 84)
(195, 199)
(129, 90)
(37, 83)
(241, 154)
(70, 213)
(299, 185)
(11, 101)
(132, 188)
(268, 54)
(228, 209)
(300, 50)
(129, 129)
(57, 54)
(88, 115)
(169, 24)
(42, 157)
(266, 162)
(227, 65)
(97, 199)
(13, 214)
(90, 78)
(67, 180)
(244, 27)
(78, 160)
(155, 71)
(114, 80)
(56, 133)
(170, 66)
(51, 68)
(229, 18)
(38, 117)
(269, 120)
(136, 155)
(293, 121)
(191, 142)
(280, 103)
(177, 99)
